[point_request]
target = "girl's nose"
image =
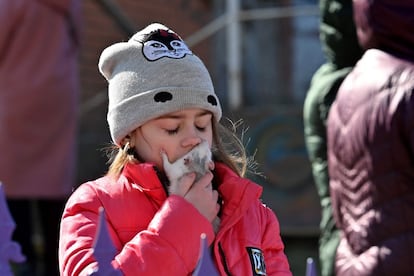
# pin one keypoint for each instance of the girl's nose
(191, 141)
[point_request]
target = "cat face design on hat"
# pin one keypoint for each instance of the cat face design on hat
(163, 43)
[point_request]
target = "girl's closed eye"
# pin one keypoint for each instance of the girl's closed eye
(172, 131)
(203, 122)
(201, 128)
(175, 130)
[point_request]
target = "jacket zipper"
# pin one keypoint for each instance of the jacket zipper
(223, 260)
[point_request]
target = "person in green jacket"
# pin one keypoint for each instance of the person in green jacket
(342, 51)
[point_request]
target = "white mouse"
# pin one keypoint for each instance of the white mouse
(197, 160)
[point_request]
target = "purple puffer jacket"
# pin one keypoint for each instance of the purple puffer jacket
(371, 145)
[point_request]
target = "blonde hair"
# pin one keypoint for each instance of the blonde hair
(227, 148)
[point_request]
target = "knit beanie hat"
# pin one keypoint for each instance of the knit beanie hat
(153, 74)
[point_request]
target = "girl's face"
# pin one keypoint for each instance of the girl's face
(175, 133)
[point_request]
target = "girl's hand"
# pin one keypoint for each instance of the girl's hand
(199, 193)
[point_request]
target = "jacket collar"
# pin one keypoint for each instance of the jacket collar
(238, 193)
(146, 178)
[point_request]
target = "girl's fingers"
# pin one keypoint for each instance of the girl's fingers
(183, 185)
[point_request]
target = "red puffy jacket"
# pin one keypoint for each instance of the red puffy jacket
(159, 235)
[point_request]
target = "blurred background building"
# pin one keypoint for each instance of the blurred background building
(262, 55)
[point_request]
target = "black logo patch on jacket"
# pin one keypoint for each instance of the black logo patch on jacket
(257, 261)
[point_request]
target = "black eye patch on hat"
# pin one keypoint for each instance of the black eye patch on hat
(163, 97)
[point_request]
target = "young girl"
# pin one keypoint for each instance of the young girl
(162, 102)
